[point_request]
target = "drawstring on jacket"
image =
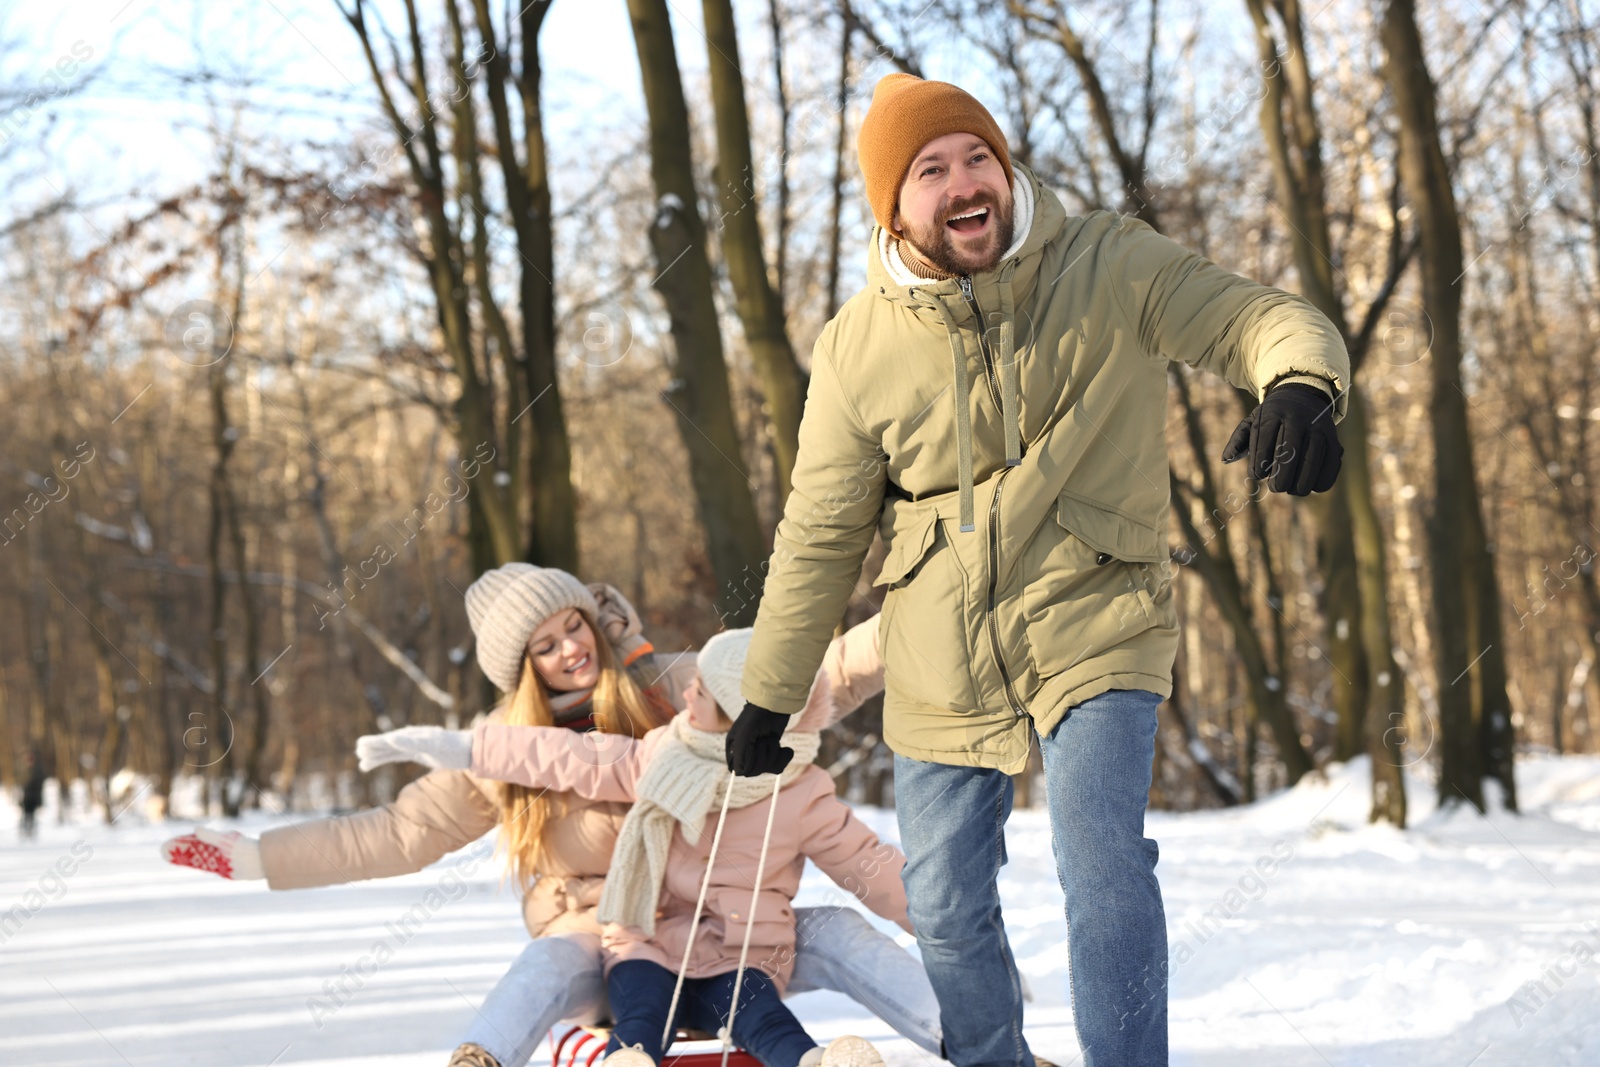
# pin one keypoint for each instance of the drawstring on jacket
(958, 353)
(1003, 352)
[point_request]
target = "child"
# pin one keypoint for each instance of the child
(676, 776)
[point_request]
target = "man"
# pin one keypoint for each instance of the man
(993, 404)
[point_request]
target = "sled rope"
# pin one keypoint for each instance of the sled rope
(750, 924)
(705, 883)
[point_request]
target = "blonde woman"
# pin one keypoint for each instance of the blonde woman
(569, 655)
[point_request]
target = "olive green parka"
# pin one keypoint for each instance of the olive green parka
(1005, 434)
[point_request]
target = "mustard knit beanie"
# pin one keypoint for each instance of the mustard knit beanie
(906, 113)
(507, 604)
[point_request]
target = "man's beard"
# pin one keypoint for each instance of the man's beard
(937, 244)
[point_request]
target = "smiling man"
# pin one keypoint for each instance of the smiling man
(993, 404)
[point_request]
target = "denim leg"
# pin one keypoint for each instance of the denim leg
(952, 827)
(836, 948)
(1097, 775)
(641, 995)
(554, 978)
(763, 1026)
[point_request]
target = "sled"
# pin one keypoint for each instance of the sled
(582, 1046)
(593, 1039)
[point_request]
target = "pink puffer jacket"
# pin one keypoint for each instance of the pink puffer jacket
(811, 822)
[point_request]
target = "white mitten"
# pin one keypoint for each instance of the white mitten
(225, 852)
(431, 746)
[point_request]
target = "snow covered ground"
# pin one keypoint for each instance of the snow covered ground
(1300, 935)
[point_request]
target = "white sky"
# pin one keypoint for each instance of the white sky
(136, 126)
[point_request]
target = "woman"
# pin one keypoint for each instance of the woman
(569, 655)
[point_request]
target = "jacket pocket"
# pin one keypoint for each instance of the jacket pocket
(907, 546)
(774, 921)
(1110, 531)
(922, 630)
(1100, 582)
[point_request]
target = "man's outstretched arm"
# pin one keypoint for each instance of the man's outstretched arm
(1273, 343)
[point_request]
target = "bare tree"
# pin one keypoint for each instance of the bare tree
(699, 389)
(758, 301)
(1474, 719)
(1369, 695)
(528, 429)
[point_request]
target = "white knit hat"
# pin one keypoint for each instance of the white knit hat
(721, 664)
(507, 604)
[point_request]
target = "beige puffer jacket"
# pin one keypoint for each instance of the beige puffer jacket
(447, 810)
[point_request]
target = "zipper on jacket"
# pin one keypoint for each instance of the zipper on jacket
(994, 578)
(983, 342)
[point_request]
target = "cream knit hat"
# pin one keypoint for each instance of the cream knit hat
(721, 664)
(507, 604)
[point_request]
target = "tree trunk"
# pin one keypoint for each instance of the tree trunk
(553, 531)
(698, 391)
(759, 306)
(1342, 615)
(1350, 544)
(836, 214)
(1386, 704)
(218, 725)
(493, 510)
(1474, 714)
(8, 752)
(1266, 689)
(780, 254)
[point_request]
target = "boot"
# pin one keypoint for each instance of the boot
(470, 1055)
(628, 1057)
(843, 1052)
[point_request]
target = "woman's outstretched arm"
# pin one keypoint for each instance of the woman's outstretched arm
(432, 816)
(595, 765)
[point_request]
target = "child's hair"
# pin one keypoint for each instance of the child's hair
(620, 707)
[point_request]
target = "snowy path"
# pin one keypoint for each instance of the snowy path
(1300, 936)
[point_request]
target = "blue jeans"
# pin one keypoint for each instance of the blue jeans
(558, 977)
(952, 827)
(641, 995)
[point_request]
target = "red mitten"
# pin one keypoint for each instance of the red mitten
(225, 852)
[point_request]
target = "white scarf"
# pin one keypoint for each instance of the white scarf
(685, 783)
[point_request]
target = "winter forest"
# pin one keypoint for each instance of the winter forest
(315, 311)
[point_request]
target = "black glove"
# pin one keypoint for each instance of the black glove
(1290, 440)
(753, 746)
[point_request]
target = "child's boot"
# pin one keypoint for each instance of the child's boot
(470, 1055)
(845, 1051)
(629, 1057)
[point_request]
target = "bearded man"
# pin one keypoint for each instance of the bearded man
(993, 404)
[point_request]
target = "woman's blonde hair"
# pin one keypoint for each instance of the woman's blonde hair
(619, 707)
